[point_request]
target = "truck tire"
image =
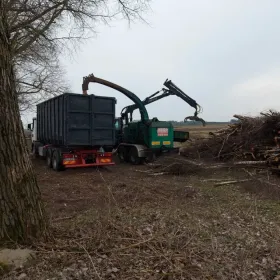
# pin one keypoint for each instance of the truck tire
(123, 154)
(133, 156)
(150, 158)
(49, 158)
(34, 153)
(56, 161)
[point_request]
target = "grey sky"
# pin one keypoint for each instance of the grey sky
(224, 54)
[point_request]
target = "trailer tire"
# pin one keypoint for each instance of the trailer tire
(133, 156)
(49, 158)
(56, 162)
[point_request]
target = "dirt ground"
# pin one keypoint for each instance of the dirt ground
(122, 223)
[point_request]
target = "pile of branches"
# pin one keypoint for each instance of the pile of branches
(250, 138)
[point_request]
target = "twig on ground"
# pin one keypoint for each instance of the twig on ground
(263, 162)
(158, 174)
(144, 171)
(213, 180)
(130, 246)
(261, 180)
(109, 188)
(63, 218)
(232, 182)
(90, 258)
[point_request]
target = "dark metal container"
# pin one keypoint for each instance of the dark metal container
(76, 120)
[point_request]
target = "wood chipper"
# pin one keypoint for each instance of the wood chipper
(171, 89)
(140, 140)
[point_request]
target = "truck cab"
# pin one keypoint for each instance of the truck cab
(33, 128)
(118, 131)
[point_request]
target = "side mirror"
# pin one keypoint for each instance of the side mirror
(29, 126)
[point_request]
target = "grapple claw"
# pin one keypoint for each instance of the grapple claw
(195, 118)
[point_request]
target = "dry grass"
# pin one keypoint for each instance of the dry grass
(124, 224)
(197, 132)
(200, 131)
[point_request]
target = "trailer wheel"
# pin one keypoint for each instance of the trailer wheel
(56, 162)
(133, 156)
(49, 158)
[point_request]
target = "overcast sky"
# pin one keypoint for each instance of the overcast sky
(223, 53)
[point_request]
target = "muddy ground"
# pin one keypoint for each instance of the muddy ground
(123, 223)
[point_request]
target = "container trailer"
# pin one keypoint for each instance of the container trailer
(74, 130)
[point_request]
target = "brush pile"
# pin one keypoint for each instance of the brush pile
(250, 138)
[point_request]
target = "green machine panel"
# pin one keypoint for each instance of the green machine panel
(161, 134)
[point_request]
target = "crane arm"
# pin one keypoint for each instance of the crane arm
(172, 90)
(150, 99)
(137, 102)
(176, 91)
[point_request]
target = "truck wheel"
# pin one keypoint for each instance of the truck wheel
(56, 162)
(49, 158)
(133, 156)
(122, 154)
(34, 152)
(150, 158)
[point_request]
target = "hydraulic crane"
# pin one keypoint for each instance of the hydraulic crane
(172, 89)
(142, 139)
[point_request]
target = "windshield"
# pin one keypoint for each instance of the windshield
(117, 124)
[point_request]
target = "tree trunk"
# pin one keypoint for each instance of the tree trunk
(22, 216)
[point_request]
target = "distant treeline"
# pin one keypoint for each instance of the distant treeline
(194, 123)
(176, 123)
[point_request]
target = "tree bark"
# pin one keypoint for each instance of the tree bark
(22, 216)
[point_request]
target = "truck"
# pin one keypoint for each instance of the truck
(73, 130)
(142, 140)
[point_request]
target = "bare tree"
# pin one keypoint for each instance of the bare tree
(66, 22)
(39, 75)
(28, 26)
(38, 82)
